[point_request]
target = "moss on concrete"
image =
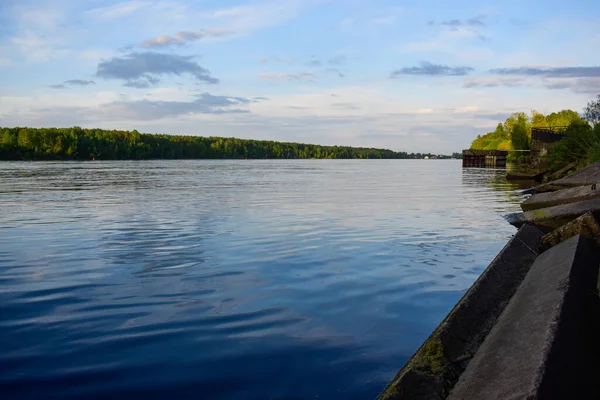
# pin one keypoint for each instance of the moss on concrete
(539, 213)
(431, 359)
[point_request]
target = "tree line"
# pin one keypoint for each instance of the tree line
(581, 135)
(22, 143)
(515, 132)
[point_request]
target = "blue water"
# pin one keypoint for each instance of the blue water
(233, 279)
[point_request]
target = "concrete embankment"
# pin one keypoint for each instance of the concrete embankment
(565, 196)
(434, 369)
(554, 217)
(527, 328)
(536, 349)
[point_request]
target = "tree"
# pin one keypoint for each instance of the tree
(538, 119)
(519, 136)
(519, 129)
(563, 118)
(591, 112)
(576, 146)
(84, 144)
(7, 138)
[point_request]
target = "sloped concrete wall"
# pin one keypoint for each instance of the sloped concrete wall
(538, 348)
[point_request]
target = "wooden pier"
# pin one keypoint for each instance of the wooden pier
(484, 158)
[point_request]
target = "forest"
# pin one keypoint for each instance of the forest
(515, 132)
(580, 143)
(21, 143)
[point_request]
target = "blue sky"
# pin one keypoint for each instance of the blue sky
(412, 76)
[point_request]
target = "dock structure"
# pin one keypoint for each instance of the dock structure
(484, 158)
(544, 139)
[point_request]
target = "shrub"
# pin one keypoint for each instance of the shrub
(580, 143)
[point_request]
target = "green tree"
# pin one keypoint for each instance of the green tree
(85, 144)
(520, 136)
(538, 119)
(579, 142)
(563, 118)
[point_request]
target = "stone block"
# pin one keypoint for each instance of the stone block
(586, 225)
(565, 196)
(551, 218)
(543, 344)
(586, 176)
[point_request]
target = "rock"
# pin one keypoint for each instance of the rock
(545, 188)
(586, 225)
(564, 196)
(561, 172)
(586, 176)
(551, 218)
(516, 219)
(543, 345)
(436, 366)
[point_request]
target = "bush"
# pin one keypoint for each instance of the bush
(580, 144)
(594, 153)
(520, 136)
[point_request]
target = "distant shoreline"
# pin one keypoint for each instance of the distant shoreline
(78, 144)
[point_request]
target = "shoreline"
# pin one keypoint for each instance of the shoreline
(467, 355)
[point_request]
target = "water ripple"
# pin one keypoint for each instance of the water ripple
(233, 279)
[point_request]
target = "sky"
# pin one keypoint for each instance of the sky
(418, 76)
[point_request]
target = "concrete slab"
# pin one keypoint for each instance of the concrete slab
(559, 197)
(563, 171)
(551, 218)
(586, 225)
(436, 366)
(541, 346)
(586, 176)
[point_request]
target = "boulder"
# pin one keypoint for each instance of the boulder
(551, 218)
(543, 345)
(586, 225)
(563, 171)
(559, 197)
(586, 176)
(434, 369)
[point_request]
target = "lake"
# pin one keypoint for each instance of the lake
(234, 279)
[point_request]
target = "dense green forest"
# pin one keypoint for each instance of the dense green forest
(580, 143)
(75, 143)
(515, 132)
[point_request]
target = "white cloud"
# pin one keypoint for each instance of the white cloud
(184, 37)
(494, 81)
(118, 10)
(37, 48)
(292, 77)
(258, 15)
(446, 41)
(38, 35)
(589, 86)
(95, 55)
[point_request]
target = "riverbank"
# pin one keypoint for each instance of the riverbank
(527, 326)
(32, 144)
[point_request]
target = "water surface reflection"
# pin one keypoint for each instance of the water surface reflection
(233, 279)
